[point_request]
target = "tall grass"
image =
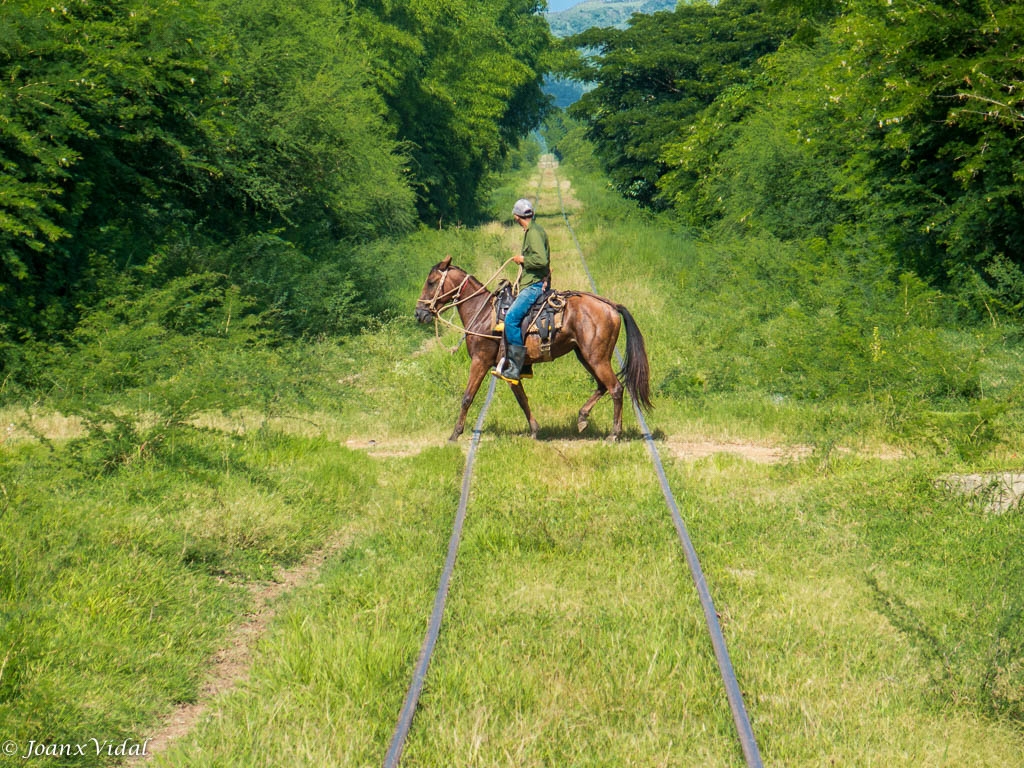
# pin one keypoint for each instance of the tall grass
(124, 557)
(207, 455)
(872, 615)
(573, 636)
(819, 336)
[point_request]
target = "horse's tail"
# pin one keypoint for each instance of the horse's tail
(636, 371)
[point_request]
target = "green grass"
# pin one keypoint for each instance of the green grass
(121, 573)
(574, 637)
(873, 617)
(335, 667)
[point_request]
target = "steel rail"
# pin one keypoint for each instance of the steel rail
(732, 689)
(394, 754)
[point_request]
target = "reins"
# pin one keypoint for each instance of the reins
(432, 305)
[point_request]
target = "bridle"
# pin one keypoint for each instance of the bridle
(440, 294)
(443, 300)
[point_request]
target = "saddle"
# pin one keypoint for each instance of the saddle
(543, 320)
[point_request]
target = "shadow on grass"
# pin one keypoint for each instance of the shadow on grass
(902, 616)
(569, 432)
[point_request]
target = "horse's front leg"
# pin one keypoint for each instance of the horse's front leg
(477, 371)
(520, 393)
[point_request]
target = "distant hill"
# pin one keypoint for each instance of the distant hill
(602, 13)
(593, 13)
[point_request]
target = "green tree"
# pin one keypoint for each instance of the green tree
(129, 127)
(102, 141)
(463, 83)
(766, 155)
(308, 147)
(897, 124)
(936, 89)
(245, 138)
(902, 120)
(654, 78)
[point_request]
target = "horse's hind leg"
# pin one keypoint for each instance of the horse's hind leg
(617, 392)
(607, 381)
(520, 393)
(584, 414)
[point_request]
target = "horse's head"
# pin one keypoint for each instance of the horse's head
(440, 289)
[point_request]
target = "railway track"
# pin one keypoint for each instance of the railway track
(741, 720)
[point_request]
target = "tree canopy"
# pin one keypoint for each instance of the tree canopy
(656, 76)
(896, 124)
(462, 80)
(132, 130)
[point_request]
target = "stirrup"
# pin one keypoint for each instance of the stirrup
(496, 373)
(499, 326)
(513, 363)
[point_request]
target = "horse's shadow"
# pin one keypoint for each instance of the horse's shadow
(569, 433)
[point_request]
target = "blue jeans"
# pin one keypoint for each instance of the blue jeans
(516, 313)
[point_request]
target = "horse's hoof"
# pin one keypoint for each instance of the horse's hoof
(454, 438)
(582, 424)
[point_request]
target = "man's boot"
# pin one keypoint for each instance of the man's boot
(515, 356)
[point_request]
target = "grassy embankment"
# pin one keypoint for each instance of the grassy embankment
(873, 617)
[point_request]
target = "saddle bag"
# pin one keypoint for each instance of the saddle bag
(544, 318)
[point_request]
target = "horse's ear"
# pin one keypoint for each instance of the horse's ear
(446, 262)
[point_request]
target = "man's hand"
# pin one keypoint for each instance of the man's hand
(518, 259)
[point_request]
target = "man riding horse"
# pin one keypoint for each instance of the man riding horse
(535, 259)
(589, 326)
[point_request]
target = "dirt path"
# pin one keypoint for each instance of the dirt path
(231, 663)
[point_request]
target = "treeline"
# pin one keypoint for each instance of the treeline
(249, 148)
(886, 128)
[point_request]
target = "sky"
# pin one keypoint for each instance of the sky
(561, 5)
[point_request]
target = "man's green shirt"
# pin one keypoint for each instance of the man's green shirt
(536, 255)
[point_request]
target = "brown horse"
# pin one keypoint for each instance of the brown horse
(590, 328)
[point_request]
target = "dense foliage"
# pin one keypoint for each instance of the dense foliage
(462, 81)
(892, 125)
(655, 77)
(257, 142)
